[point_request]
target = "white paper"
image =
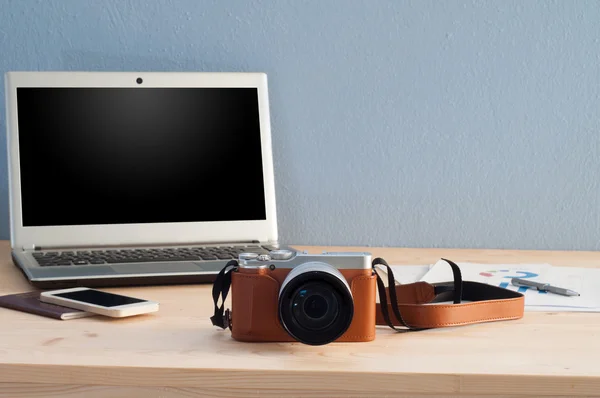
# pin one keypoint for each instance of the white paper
(585, 281)
(545, 308)
(404, 274)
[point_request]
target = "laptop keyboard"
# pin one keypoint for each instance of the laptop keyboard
(204, 253)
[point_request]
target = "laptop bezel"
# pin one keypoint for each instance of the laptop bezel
(138, 234)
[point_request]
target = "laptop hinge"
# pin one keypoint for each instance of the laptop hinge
(30, 247)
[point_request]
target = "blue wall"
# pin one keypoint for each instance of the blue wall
(405, 123)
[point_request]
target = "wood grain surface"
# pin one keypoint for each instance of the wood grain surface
(177, 353)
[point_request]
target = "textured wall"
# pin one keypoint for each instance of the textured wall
(411, 123)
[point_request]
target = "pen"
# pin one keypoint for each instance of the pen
(543, 286)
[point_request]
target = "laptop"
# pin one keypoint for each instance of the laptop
(126, 178)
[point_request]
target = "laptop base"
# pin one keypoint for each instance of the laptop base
(132, 274)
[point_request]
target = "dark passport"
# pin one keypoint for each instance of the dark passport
(30, 302)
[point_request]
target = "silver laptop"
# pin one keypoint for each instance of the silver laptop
(122, 178)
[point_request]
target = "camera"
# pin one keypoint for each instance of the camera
(139, 80)
(314, 299)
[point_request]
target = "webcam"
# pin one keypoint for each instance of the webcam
(139, 80)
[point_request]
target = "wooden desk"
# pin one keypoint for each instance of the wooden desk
(177, 352)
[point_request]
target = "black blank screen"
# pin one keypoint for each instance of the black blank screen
(99, 298)
(139, 155)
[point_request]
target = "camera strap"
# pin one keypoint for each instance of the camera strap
(459, 302)
(222, 318)
(413, 305)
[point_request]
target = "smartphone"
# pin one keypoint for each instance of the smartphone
(99, 302)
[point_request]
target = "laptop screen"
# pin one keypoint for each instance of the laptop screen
(139, 155)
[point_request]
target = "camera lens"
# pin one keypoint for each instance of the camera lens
(315, 304)
(139, 80)
(315, 307)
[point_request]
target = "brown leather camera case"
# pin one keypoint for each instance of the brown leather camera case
(414, 306)
(254, 305)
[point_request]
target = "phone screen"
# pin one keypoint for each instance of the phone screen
(98, 297)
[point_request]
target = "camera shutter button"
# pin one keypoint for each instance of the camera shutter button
(248, 256)
(281, 254)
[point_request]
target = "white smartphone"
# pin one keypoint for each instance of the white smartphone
(99, 302)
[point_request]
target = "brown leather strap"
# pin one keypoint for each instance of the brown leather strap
(485, 303)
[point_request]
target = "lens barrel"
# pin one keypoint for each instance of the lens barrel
(315, 303)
